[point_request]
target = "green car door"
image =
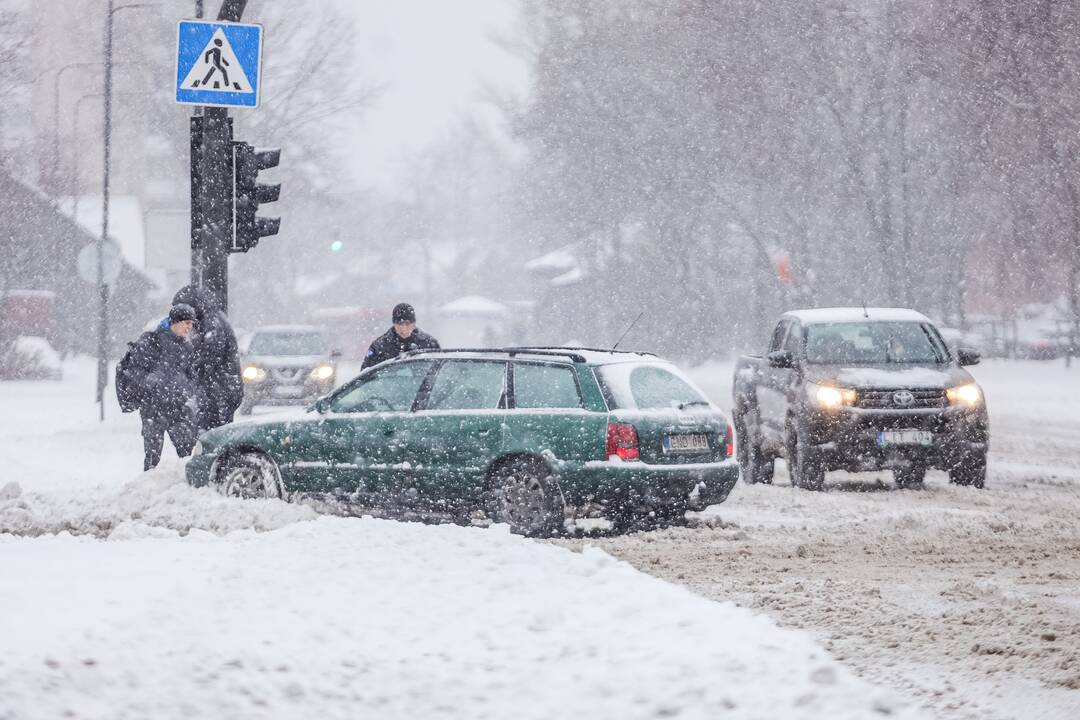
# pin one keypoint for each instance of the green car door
(458, 431)
(548, 413)
(356, 445)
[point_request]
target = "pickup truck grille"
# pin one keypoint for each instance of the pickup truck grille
(901, 399)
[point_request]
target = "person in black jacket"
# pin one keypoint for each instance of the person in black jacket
(161, 370)
(402, 337)
(216, 362)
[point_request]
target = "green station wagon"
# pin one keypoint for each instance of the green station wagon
(530, 436)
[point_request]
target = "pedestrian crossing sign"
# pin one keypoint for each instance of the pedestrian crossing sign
(218, 63)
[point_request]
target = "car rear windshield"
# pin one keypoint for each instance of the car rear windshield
(298, 343)
(873, 343)
(632, 386)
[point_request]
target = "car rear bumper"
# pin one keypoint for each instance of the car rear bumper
(649, 485)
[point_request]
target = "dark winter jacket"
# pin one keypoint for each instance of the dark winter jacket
(390, 345)
(216, 362)
(161, 370)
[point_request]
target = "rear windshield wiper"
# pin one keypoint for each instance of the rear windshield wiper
(688, 403)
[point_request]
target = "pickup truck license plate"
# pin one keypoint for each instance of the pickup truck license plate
(288, 391)
(686, 442)
(904, 437)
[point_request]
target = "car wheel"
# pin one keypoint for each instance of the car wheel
(754, 466)
(971, 470)
(249, 475)
(806, 469)
(909, 478)
(525, 496)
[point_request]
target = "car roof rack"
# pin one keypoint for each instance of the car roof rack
(573, 356)
(587, 349)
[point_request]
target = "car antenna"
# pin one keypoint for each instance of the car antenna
(623, 336)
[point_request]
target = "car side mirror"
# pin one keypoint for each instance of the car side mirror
(967, 356)
(322, 405)
(780, 359)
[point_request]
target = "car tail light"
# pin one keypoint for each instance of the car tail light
(622, 441)
(729, 441)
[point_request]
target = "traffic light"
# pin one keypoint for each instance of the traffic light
(249, 194)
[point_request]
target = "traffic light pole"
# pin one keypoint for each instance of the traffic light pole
(211, 188)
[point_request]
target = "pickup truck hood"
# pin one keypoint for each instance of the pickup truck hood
(888, 376)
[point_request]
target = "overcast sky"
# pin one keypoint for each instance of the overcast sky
(434, 57)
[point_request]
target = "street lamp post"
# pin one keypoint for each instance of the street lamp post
(103, 292)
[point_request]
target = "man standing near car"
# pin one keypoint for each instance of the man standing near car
(160, 368)
(401, 338)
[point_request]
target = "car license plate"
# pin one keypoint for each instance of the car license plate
(686, 442)
(905, 437)
(289, 391)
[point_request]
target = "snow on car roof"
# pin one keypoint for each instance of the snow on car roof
(855, 314)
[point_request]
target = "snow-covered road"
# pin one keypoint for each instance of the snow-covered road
(165, 603)
(130, 595)
(966, 601)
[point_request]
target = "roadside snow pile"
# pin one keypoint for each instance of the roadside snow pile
(159, 498)
(348, 617)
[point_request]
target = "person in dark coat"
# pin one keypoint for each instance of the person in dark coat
(216, 362)
(161, 370)
(402, 337)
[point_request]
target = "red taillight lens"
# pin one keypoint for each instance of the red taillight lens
(622, 441)
(729, 441)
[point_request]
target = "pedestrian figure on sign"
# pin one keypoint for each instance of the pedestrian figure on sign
(213, 56)
(155, 377)
(401, 338)
(216, 361)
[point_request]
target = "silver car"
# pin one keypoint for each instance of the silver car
(286, 365)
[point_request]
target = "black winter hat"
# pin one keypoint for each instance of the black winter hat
(404, 313)
(181, 312)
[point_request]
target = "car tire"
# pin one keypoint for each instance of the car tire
(804, 465)
(970, 471)
(909, 478)
(524, 495)
(248, 475)
(754, 466)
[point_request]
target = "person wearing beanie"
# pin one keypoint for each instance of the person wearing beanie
(215, 361)
(402, 337)
(156, 377)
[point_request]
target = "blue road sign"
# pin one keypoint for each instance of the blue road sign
(218, 63)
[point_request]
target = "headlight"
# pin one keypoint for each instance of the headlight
(323, 372)
(830, 397)
(254, 374)
(969, 395)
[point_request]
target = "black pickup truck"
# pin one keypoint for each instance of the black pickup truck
(859, 389)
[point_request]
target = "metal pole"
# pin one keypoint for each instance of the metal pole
(103, 293)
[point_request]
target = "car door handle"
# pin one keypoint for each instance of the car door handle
(389, 431)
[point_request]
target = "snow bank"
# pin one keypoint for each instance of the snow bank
(159, 498)
(347, 617)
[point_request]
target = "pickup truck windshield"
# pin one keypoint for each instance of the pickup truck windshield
(873, 343)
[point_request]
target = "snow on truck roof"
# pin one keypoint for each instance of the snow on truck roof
(855, 314)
